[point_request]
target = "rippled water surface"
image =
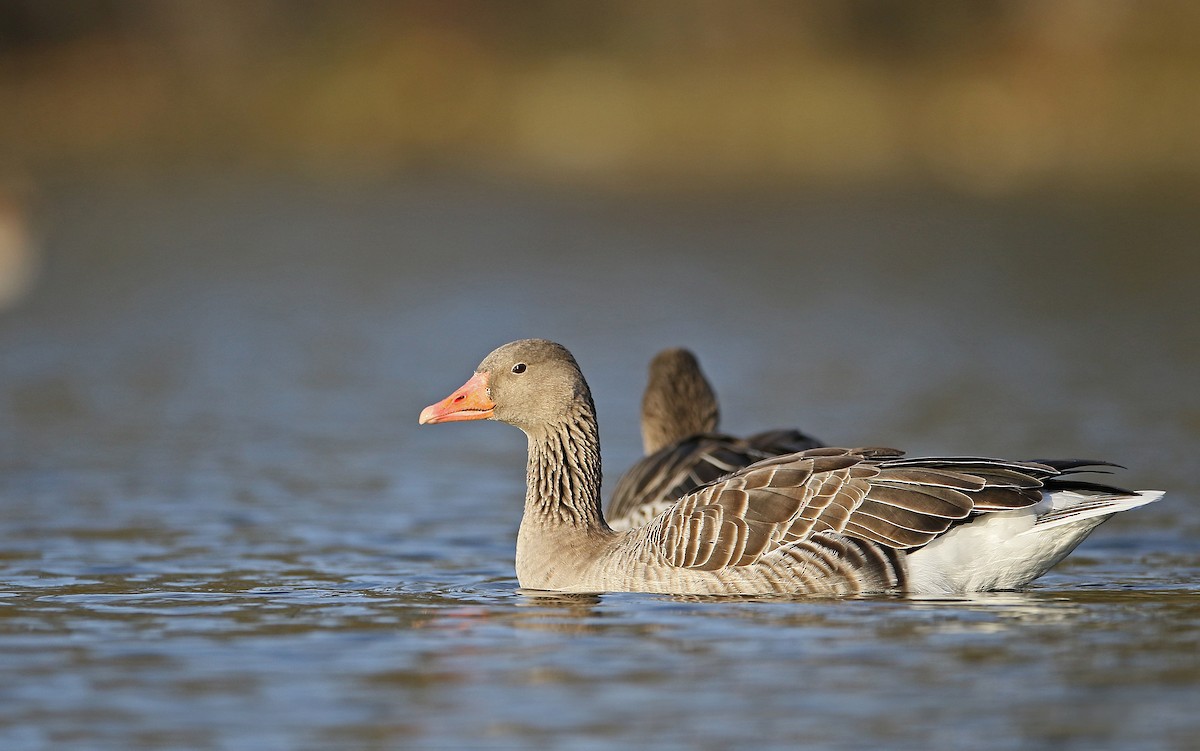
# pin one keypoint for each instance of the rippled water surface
(222, 528)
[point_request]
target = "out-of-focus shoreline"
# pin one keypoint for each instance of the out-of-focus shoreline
(1017, 97)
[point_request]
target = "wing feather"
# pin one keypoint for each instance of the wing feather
(867, 494)
(680, 468)
(872, 510)
(932, 500)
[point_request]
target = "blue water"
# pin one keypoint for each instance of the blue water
(223, 529)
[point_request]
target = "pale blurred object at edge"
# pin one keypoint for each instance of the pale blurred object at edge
(18, 252)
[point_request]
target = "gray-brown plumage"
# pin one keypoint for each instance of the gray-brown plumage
(823, 521)
(683, 448)
(678, 402)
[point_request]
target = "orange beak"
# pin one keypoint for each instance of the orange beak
(469, 402)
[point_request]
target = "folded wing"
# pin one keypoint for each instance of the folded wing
(870, 494)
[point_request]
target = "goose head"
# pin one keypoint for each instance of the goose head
(530, 383)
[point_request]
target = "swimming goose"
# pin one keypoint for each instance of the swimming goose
(826, 521)
(683, 449)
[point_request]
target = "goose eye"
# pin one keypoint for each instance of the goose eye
(519, 368)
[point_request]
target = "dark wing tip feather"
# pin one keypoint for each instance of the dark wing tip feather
(967, 463)
(1097, 487)
(1078, 465)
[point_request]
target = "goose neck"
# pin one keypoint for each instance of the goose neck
(563, 474)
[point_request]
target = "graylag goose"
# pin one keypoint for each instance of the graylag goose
(683, 449)
(826, 521)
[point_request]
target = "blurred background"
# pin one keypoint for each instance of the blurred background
(991, 97)
(244, 242)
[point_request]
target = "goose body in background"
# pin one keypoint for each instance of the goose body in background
(826, 521)
(683, 449)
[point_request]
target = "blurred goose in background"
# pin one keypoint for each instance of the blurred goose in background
(826, 521)
(682, 446)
